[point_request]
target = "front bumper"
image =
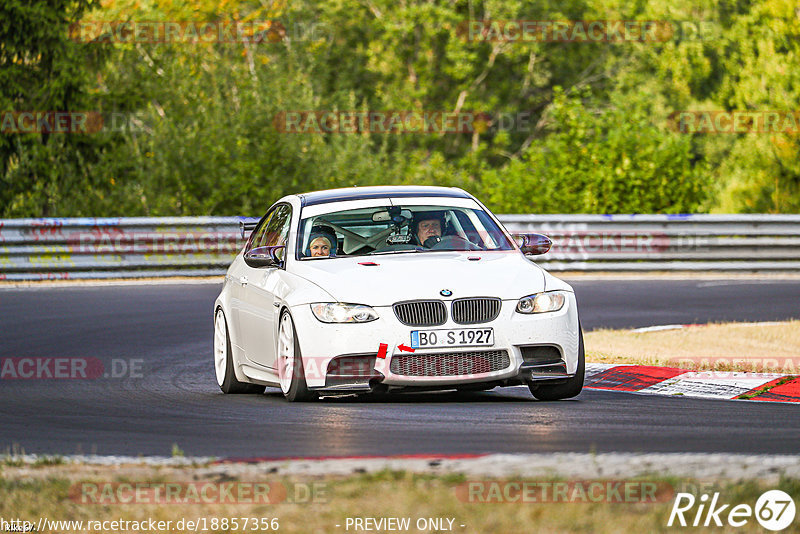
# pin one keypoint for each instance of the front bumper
(516, 334)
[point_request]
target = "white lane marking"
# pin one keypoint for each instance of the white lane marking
(716, 384)
(597, 368)
(717, 283)
(659, 328)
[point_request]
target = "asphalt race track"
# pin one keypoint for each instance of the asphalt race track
(166, 332)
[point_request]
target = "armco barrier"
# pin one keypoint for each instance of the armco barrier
(666, 242)
(37, 249)
(73, 248)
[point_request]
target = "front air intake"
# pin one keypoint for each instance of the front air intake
(450, 363)
(540, 354)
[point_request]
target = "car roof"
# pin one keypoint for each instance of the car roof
(387, 191)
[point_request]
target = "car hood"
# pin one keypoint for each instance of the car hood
(412, 276)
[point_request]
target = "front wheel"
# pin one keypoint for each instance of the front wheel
(223, 360)
(572, 387)
(290, 363)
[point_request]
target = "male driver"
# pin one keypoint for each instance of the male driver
(427, 227)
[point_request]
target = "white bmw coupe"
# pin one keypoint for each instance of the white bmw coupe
(402, 288)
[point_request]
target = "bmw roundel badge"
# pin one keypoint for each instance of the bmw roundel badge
(445, 292)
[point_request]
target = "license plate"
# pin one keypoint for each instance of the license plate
(463, 337)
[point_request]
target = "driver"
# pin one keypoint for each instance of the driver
(322, 242)
(427, 227)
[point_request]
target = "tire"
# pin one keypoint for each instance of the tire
(572, 387)
(290, 363)
(223, 360)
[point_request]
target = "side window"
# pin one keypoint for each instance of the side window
(277, 228)
(258, 233)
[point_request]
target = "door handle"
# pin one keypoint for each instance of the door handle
(243, 280)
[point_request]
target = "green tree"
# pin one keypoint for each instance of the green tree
(42, 69)
(605, 160)
(199, 135)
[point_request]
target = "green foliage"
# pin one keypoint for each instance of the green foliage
(42, 69)
(199, 134)
(607, 160)
(177, 452)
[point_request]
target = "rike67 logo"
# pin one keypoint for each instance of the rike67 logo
(774, 510)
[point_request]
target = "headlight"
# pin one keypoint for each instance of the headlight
(337, 312)
(542, 302)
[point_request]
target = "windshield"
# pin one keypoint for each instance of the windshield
(397, 230)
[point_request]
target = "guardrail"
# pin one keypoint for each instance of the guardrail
(74, 248)
(666, 242)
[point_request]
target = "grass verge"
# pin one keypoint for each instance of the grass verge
(322, 503)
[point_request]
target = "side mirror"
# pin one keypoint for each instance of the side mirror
(532, 244)
(271, 256)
